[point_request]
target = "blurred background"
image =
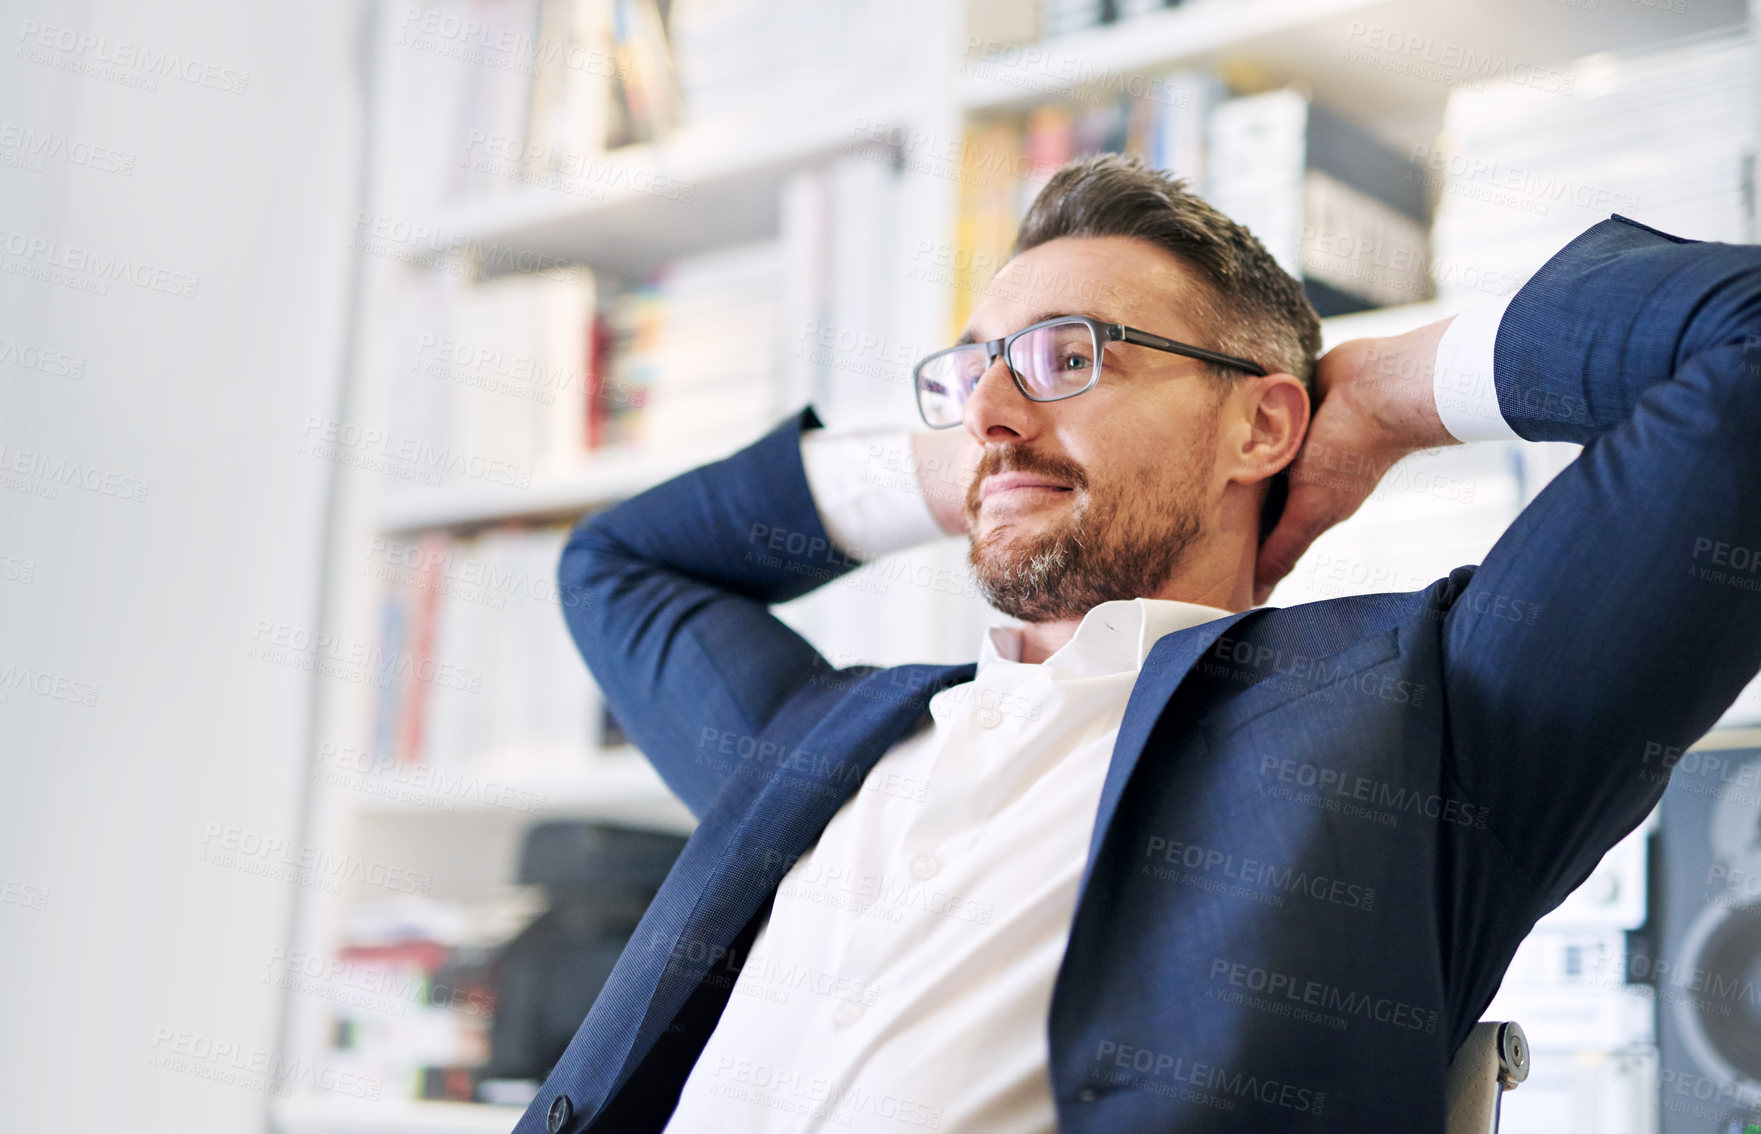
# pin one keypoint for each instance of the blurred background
(320, 324)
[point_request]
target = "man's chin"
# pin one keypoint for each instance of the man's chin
(1010, 546)
(1027, 520)
(1010, 539)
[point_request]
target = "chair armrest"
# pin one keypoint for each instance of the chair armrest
(1494, 1059)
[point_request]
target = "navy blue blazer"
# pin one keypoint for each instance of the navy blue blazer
(1325, 828)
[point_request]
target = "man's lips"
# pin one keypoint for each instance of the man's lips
(1014, 482)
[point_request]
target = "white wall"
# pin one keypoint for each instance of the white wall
(152, 603)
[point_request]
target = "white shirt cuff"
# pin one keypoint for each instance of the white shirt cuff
(865, 485)
(1467, 398)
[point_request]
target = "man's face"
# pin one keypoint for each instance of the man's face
(1099, 496)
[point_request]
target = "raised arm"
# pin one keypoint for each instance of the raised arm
(1647, 350)
(1620, 614)
(668, 594)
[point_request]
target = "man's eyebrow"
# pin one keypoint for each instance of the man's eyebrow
(971, 336)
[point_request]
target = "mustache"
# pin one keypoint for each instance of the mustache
(1020, 458)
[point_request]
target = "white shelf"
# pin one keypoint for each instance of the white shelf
(709, 185)
(1346, 53)
(1139, 49)
(391, 1116)
(604, 480)
(617, 785)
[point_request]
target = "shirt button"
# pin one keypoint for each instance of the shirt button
(848, 1013)
(925, 868)
(989, 718)
(1087, 1094)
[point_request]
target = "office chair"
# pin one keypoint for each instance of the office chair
(1494, 1059)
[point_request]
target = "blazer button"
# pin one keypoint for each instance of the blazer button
(561, 1110)
(1087, 1094)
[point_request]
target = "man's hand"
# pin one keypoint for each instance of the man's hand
(945, 460)
(1375, 404)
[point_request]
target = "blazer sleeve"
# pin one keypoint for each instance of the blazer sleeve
(667, 597)
(1620, 614)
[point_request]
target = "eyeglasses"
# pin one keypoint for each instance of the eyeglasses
(1050, 360)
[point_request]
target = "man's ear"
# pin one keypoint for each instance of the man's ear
(1277, 409)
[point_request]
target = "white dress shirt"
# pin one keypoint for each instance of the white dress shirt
(904, 977)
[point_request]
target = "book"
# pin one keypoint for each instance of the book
(645, 106)
(1330, 202)
(1006, 161)
(1000, 21)
(1063, 17)
(743, 60)
(413, 663)
(1180, 125)
(491, 683)
(695, 350)
(572, 89)
(993, 195)
(497, 97)
(493, 377)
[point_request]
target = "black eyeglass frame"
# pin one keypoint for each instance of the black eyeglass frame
(1103, 334)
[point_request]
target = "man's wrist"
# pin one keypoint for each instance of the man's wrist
(864, 486)
(943, 459)
(1394, 381)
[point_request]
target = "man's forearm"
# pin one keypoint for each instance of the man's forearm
(1393, 382)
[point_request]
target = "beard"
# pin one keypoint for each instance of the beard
(1115, 542)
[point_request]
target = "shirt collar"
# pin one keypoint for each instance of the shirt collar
(1113, 637)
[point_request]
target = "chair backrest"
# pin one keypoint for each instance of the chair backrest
(1494, 1059)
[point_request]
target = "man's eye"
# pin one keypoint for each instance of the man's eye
(1076, 362)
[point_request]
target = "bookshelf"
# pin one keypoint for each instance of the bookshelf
(720, 185)
(797, 171)
(604, 480)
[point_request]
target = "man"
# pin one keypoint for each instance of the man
(1163, 859)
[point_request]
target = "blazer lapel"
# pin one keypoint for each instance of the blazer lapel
(1169, 663)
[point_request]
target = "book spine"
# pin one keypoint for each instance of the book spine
(420, 649)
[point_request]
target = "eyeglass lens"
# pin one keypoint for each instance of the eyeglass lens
(1053, 362)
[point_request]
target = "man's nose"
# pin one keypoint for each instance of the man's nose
(997, 410)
